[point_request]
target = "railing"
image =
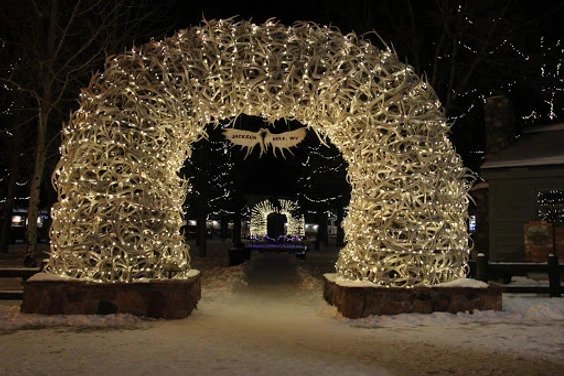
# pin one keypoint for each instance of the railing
(484, 270)
(23, 273)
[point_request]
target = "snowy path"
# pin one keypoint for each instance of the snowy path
(268, 318)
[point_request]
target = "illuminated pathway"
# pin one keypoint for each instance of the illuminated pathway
(279, 324)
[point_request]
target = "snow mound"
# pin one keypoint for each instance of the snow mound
(12, 319)
(527, 281)
(50, 277)
(56, 277)
(464, 282)
(308, 281)
(333, 277)
(223, 280)
(516, 309)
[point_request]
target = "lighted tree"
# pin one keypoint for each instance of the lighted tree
(470, 50)
(322, 185)
(210, 171)
(15, 160)
(295, 224)
(58, 45)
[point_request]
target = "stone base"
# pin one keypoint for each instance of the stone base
(357, 302)
(168, 299)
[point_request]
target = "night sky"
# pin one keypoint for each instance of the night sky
(277, 175)
(392, 20)
(268, 174)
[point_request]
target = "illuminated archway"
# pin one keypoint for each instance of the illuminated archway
(261, 211)
(119, 210)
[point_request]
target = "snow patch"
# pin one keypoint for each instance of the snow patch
(50, 277)
(516, 309)
(464, 282)
(12, 319)
(333, 277)
(527, 281)
(308, 281)
(219, 280)
(56, 277)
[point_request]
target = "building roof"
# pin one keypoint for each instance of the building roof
(537, 146)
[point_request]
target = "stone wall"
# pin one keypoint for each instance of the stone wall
(169, 299)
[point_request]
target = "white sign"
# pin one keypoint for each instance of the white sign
(264, 139)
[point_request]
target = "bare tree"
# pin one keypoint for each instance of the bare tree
(59, 44)
(468, 50)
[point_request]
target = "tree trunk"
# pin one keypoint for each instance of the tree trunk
(11, 192)
(318, 233)
(340, 231)
(35, 187)
(201, 234)
(44, 103)
(237, 229)
(224, 228)
(325, 232)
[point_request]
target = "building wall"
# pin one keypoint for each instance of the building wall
(512, 203)
(479, 207)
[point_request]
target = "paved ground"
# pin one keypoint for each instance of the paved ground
(268, 318)
(317, 262)
(14, 259)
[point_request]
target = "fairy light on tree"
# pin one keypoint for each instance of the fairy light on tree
(120, 196)
(210, 172)
(259, 219)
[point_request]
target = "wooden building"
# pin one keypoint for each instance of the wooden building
(526, 183)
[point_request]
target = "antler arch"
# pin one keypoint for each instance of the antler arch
(119, 210)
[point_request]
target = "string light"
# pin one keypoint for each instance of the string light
(119, 209)
(550, 205)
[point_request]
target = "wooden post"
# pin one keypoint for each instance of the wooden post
(318, 233)
(236, 237)
(340, 231)
(223, 228)
(553, 275)
(482, 267)
(324, 226)
(201, 234)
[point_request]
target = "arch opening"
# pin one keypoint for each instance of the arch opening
(276, 225)
(120, 196)
(293, 222)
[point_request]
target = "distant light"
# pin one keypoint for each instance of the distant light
(391, 129)
(472, 223)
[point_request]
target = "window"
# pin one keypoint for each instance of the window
(550, 205)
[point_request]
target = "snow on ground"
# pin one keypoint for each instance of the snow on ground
(461, 282)
(12, 319)
(267, 317)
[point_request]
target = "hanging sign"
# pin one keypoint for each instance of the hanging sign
(264, 139)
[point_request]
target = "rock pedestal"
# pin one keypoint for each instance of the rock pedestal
(357, 302)
(168, 299)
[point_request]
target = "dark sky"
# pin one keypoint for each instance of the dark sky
(348, 15)
(278, 175)
(267, 174)
(190, 13)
